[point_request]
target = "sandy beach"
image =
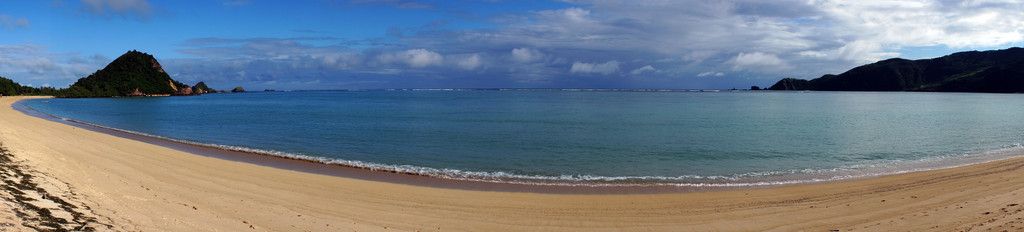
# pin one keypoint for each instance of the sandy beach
(112, 183)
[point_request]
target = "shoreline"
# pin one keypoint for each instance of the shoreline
(366, 173)
(141, 186)
(514, 183)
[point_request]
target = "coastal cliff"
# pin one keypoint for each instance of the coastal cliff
(996, 71)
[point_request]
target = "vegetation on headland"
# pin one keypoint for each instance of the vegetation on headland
(996, 71)
(132, 74)
(8, 88)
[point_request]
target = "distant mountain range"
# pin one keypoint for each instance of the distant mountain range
(996, 71)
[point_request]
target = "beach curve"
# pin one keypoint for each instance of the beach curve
(141, 186)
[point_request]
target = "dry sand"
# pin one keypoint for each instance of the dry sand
(130, 185)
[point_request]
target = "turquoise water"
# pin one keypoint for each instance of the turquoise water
(588, 137)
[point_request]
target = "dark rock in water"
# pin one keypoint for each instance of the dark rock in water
(238, 89)
(201, 88)
(755, 88)
(791, 84)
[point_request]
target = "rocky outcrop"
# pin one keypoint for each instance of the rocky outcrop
(175, 88)
(186, 91)
(156, 65)
(791, 84)
(238, 89)
(136, 93)
(201, 88)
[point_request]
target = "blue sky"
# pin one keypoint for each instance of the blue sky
(351, 44)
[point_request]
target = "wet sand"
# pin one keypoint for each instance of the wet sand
(133, 185)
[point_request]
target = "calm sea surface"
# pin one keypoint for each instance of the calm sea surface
(586, 137)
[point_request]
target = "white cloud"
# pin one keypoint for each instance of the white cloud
(758, 61)
(698, 56)
(27, 63)
(863, 51)
(644, 69)
(573, 14)
(813, 54)
(605, 68)
(801, 36)
(526, 54)
(341, 61)
(771, 39)
(896, 24)
(416, 58)
(419, 58)
(858, 51)
(711, 73)
(470, 63)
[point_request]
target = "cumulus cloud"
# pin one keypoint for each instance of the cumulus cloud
(416, 58)
(342, 61)
(759, 62)
(33, 64)
(9, 23)
(604, 68)
(574, 15)
(646, 68)
(955, 24)
(710, 73)
(526, 54)
(470, 63)
(772, 39)
(843, 33)
(140, 9)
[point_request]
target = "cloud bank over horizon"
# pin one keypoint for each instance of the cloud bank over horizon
(569, 44)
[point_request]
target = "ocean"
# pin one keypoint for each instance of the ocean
(587, 137)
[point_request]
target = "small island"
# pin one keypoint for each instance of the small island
(996, 71)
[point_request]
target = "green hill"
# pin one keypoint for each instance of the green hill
(996, 71)
(10, 88)
(133, 74)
